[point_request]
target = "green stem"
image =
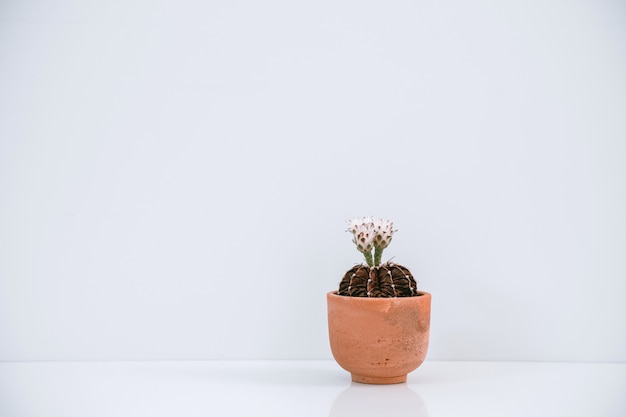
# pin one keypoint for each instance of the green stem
(368, 258)
(378, 255)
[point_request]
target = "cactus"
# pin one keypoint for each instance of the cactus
(375, 279)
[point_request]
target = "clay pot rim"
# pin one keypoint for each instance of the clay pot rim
(420, 294)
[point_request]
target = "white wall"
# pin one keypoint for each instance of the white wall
(175, 176)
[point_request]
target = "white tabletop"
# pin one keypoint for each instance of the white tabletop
(308, 388)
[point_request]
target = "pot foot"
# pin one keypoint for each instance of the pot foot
(378, 380)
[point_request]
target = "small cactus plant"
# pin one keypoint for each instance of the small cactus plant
(375, 279)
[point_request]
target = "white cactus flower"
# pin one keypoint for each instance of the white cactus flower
(362, 229)
(384, 231)
(370, 233)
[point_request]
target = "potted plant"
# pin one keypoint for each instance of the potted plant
(378, 321)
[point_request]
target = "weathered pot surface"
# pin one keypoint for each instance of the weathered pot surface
(379, 340)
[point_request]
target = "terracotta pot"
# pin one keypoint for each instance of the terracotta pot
(379, 340)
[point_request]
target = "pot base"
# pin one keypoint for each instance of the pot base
(379, 380)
